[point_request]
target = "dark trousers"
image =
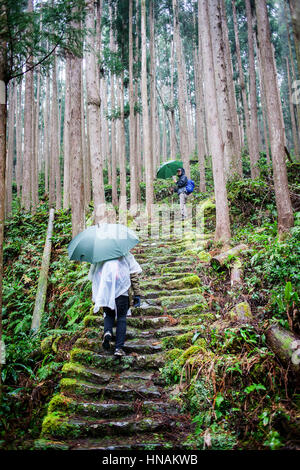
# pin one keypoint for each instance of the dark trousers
(122, 304)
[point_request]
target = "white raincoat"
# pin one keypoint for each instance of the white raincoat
(110, 279)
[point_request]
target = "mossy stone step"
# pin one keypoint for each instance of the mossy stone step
(183, 301)
(113, 409)
(143, 345)
(143, 322)
(156, 296)
(117, 391)
(143, 442)
(77, 371)
(110, 362)
(59, 426)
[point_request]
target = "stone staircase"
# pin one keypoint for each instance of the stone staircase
(109, 403)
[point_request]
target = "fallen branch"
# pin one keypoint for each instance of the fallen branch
(221, 259)
(286, 345)
(43, 278)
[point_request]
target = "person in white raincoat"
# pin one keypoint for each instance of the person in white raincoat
(112, 284)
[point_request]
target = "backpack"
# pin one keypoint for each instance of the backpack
(189, 187)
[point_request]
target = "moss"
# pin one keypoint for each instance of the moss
(73, 368)
(56, 425)
(187, 281)
(189, 310)
(92, 320)
(241, 312)
(180, 341)
(183, 300)
(68, 385)
(61, 403)
(173, 354)
(191, 351)
(81, 354)
(204, 256)
(46, 345)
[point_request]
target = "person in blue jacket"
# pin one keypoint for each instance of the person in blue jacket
(180, 190)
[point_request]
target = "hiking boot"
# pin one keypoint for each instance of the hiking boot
(106, 341)
(120, 352)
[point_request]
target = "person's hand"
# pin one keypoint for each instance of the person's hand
(137, 301)
(174, 179)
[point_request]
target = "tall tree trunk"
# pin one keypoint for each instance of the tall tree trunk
(295, 14)
(132, 119)
(148, 161)
(113, 123)
(66, 137)
(213, 126)
(93, 104)
(35, 173)
(221, 84)
(47, 121)
(263, 107)
(10, 147)
(153, 135)
(199, 117)
(76, 160)
(3, 113)
(236, 162)
(173, 142)
(292, 113)
(122, 154)
(19, 140)
(253, 156)
(283, 202)
(28, 116)
(54, 185)
(184, 141)
(253, 100)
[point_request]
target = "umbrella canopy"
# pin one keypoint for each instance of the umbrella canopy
(168, 169)
(102, 242)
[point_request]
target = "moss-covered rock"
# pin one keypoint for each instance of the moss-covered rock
(60, 402)
(180, 341)
(184, 282)
(241, 313)
(46, 345)
(56, 424)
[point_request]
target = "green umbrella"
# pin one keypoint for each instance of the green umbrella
(168, 169)
(102, 242)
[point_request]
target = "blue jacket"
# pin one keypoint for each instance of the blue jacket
(181, 182)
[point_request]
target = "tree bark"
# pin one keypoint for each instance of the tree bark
(221, 84)
(28, 137)
(252, 155)
(148, 161)
(19, 140)
(222, 232)
(93, 104)
(10, 147)
(66, 137)
(295, 14)
(292, 113)
(76, 160)
(286, 346)
(40, 299)
(236, 163)
(283, 201)
(132, 119)
(253, 99)
(113, 124)
(184, 140)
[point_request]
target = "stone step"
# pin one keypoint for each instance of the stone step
(62, 427)
(112, 409)
(142, 442)
(126, 391)
(139, 322)
(110, 362)
(142, 345)
(156, 295)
